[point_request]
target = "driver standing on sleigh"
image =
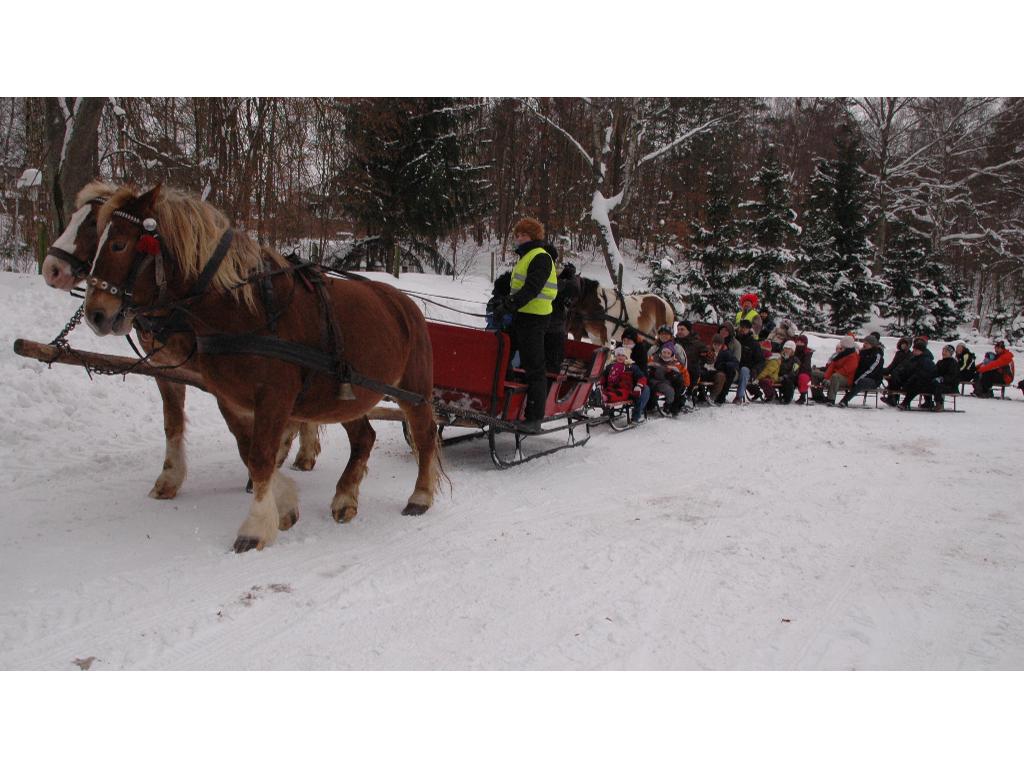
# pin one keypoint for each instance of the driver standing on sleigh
(533, 289)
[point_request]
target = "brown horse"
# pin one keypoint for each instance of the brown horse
(67, 262)
(604, 314)
(165, 250)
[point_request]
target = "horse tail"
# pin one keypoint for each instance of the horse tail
(438, 457)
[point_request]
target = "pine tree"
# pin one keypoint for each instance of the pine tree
(836, 250)
(706, 279)
(771, 260)
(407, 176)
(922, 295)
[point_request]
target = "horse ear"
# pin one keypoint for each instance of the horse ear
(147, 201)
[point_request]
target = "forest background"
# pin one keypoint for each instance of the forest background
(834, 209)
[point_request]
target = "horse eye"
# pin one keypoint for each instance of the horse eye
(117, 247)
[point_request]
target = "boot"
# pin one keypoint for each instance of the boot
(802, 400)
(939, 407)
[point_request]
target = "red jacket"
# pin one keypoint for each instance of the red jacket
(619, 379)
(1003, 360)
(845, 364)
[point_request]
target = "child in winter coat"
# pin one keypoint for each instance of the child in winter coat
(804, 356)
(768, 378)
(668, 377)
(789, 373)
(623, 380)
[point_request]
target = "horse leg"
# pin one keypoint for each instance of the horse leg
(286, 442)
(426, 446)
(361, 437)
(275, 497)
(173, 475)
(309, 447)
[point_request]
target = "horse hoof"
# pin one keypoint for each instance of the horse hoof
(414, 509)
(163, 491)
(303, 465)
(287, 520)
(245, 543)
(248, 486)
(343, 515)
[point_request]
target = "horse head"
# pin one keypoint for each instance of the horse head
(69, 259)
(124, 272)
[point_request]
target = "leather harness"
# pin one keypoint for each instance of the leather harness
(311, 276)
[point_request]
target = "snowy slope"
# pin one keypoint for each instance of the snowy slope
(763, 537)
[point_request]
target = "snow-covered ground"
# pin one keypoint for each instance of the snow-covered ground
(763, 537)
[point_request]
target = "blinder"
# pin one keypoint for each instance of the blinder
(148, 249)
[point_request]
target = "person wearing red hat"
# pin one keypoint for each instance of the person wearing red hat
(748, 311)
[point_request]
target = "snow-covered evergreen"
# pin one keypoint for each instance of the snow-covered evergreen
(770, 259)
(836, 253)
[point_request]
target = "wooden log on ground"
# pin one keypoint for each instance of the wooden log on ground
(115, 364)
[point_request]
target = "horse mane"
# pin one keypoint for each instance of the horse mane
(191, 228)
(92, 190)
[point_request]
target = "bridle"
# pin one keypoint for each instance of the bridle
(148, 250)
(79, 267)
(163, 317)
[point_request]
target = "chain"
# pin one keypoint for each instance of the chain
(64, 348)
(61, 340)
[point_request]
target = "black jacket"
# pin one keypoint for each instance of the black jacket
(901, 357)
(640, 353)
(966, 365)
(947, 374)
(564, 303)
(869, 366)
(752, 355)
(789, 368)
(805, 358)
(920, 370)
(726, 362)
(695, 350)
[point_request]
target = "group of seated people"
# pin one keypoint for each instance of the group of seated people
(682, 369)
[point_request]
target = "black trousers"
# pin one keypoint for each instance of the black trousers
(554, 349)
(528, 337)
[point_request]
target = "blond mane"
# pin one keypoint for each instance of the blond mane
(191, 228)
(92, 190)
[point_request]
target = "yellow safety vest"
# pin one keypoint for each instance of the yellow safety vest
(751, 314)
(541, 303)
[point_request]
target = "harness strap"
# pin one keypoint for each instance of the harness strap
(298, 354)
(206, 276)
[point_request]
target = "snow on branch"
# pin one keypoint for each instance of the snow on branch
(530, 105)
(677, 141)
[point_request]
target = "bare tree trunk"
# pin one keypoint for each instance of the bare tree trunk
(73, 157)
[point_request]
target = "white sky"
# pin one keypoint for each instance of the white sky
(447, 47)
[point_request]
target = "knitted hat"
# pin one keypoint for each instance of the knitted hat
(630, 333)
(920, 344)
(621, 351)
(669, 347)
(665, 329)
(847, 342)
(801, 339)
(790, 345)
(686, 324)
